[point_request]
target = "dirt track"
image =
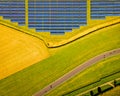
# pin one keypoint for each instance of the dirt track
(77, 70)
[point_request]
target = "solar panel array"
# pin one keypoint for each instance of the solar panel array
(102, 8)
(56, 16)
(14, 10)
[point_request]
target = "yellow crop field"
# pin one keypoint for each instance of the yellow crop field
(18, 51)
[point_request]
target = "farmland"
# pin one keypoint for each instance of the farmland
(113, 92)
(28, 81)
(90, 78)
(18, 51)
(32, 58)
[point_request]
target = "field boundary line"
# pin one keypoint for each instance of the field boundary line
(86, 32)
(64, 42)
(76, 71)
(107, 83)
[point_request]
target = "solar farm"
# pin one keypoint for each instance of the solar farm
(59, 47)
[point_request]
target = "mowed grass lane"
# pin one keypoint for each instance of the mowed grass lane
(18, 51)
(37, 76)
(92, 74)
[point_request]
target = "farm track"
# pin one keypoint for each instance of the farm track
(77, 70)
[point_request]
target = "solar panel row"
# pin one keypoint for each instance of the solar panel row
(100, 9)
(57, 16)
(14, 10)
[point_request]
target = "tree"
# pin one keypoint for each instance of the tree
(91, 93)
(99, 90)
(115, 83)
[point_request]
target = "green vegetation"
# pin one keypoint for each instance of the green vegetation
(93, 25)
(106, 88)
(114, 92)
(90, 78)
(56, 40)
(37, 76)
(118, 82)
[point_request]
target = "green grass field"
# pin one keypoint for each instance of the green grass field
(89, 76)
(113, 92)
(37, 76)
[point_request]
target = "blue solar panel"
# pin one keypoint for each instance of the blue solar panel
(54, 30)
(14, 10)
(57, 16)
(100, 9)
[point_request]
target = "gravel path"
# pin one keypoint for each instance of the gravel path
(77, 70)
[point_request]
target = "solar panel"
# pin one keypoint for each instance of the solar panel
(57, 16)
(14, 10)
(100, 9)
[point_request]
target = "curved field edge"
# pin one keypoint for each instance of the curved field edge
(80, 33)
(85, 32)
(57, 39)
(18, 51)
(92, 77)
(114, 92)
(37, 76)
(23, 29)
